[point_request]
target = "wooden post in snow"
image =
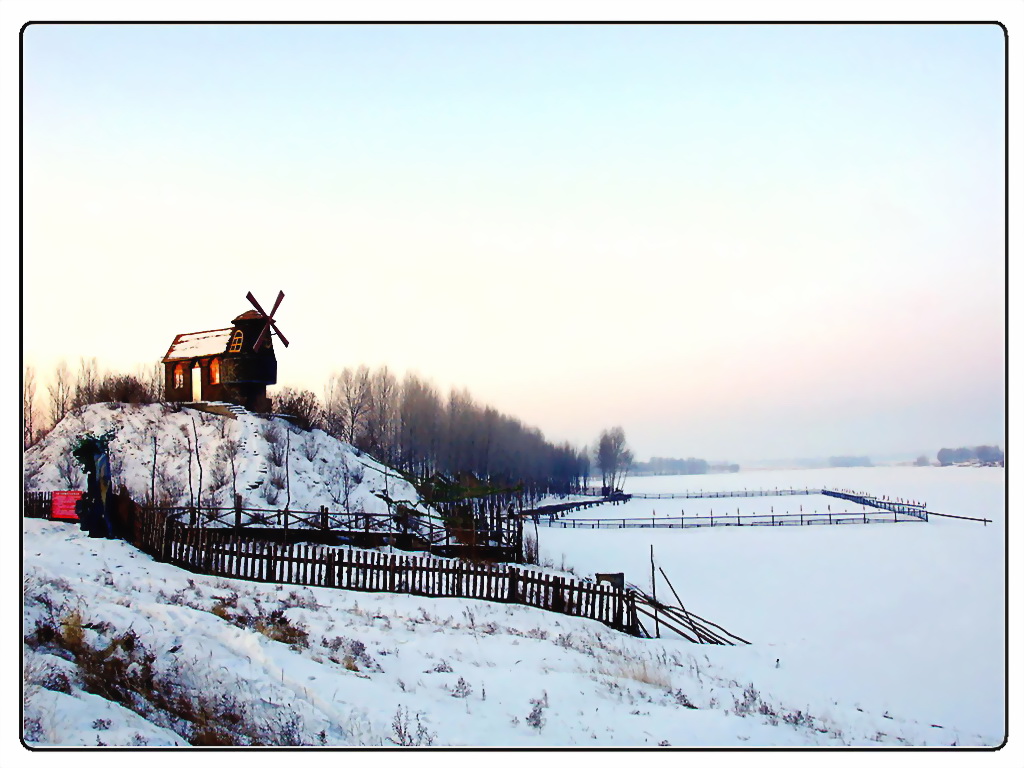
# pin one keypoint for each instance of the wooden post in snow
(654, 597)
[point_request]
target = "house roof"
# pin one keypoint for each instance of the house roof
(187, 346)
(251, 314)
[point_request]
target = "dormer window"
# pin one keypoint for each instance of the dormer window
(236, 342)
(215, 371)
(179, 376)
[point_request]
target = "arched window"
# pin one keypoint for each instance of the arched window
(179, 376)
(236, 342)
(215, 371)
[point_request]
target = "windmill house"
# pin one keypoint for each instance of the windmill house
(233, 365)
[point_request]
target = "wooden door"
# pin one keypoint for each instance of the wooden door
(197, 383)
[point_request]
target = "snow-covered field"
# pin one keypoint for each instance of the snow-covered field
(885, 635)
(344, 668)
(905, 618)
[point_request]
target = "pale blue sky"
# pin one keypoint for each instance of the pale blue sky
(706, 234)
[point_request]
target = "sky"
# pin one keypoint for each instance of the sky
(737, 242)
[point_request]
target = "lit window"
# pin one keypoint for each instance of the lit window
(215, 371)
(179, 376)
(236, 342)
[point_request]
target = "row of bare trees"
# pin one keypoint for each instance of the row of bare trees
(409, 424)
(69, 390)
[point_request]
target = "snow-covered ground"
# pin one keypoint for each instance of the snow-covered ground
(877, 635)
(905, 618)
(340, 668)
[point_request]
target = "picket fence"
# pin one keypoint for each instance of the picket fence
(222, 552)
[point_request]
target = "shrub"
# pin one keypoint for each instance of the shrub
(748, 704)
(271, 492)
(276, 453)
(535, 719)
(462, 689)
(531, 550)
(277, 627)
(798, 719)
(405, 735)
(683, 700)
(270, 432)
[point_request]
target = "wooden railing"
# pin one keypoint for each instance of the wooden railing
(497, 538)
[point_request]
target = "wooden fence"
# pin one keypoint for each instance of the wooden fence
(223, 552)
(743, 494)
(37, 503)
(702, 494)
(913, 508)
(491, 537)
(711, 521)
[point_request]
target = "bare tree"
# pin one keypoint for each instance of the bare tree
(420, 421)
(68, 470)
(152, 378)
(355, 400)
(199, 463)
(28, 407)
(88, 384)
(332, 406)
(613, 457)
(381, 437)
(188, 442)
(60, 394)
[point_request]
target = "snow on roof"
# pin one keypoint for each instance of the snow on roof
(199, 344)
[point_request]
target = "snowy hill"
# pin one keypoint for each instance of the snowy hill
(274, 463)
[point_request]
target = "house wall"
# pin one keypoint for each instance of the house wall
(183, 394)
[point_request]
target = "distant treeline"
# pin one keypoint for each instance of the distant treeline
(659, 465)
(985, 454)
(409, 424)
(849, 461)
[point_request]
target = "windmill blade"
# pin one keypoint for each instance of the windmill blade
(260, 339)
(252, 300)
(279, 334)
(280, 296)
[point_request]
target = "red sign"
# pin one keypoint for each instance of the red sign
(63, 505)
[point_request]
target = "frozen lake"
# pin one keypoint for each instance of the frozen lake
(907, 617)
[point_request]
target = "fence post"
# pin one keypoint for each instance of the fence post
(272, 563)
(558, 595)
(513, 585)
(238, 511)
(165, 538)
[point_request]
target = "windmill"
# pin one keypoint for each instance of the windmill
(270, 322)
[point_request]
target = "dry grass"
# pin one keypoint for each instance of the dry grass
(641, 671)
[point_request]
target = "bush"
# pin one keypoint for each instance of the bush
(301, 405)
(531, 550)
(276, 453)
(536, 717)
(405, 735)
(462, 689)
